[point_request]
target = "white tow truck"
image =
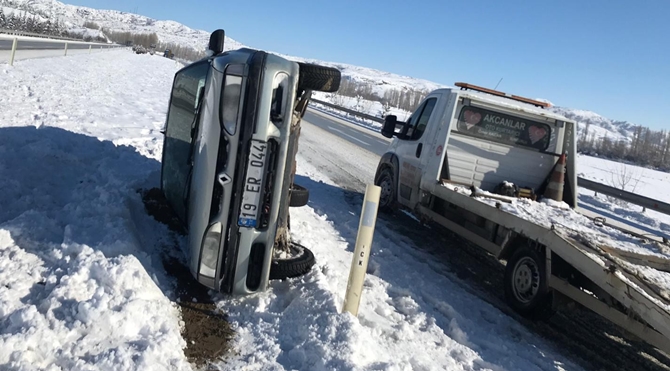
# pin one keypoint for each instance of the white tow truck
(481, 163)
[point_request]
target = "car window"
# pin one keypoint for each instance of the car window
(416, 124)
(179, 131)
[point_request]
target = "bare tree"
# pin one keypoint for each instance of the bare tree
(625, 178)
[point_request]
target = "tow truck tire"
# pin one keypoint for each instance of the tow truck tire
(387, 198)
(318, 78)
(526, 288)
(299, 196)
(295, 266)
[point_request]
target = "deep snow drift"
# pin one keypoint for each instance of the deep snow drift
(81, 289)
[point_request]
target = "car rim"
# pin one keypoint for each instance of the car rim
(294, 252)
(526, 280)
(386, 190)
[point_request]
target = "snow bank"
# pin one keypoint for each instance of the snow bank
(81, 286)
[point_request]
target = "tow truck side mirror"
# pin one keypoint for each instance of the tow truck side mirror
(390, 122)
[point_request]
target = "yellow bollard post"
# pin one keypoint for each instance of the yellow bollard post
(359, 263)
(14, 45)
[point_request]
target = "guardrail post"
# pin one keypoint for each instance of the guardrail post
(359, 263)
(14, 45)
(65, 48)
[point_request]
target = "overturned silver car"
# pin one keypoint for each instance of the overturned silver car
(228, 158)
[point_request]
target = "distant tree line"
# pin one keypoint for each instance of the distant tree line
(148, 39)
(91, 25)
(32, 24)
(406, 98)
(647, 148)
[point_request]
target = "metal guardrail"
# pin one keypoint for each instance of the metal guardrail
(21, 33)
(645, 202)
(347, 110)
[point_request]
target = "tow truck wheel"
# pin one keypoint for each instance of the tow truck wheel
(387, 198)
(526, 289)
(298, 261)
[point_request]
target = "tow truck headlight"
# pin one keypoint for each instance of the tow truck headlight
(209, 252)
(230, 101)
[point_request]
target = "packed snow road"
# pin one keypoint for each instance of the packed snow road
(84, 284)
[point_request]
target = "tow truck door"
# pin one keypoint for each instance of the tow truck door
(413, 147)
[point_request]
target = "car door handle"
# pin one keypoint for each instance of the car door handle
(418, 150)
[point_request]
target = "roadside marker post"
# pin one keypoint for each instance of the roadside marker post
(65, 48)
(359, 263)
(89, 48)
(14, 45)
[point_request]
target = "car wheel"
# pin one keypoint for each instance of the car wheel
(299, 196)
(297, 262)
(526, 288)
(387, 197)
(318, 78)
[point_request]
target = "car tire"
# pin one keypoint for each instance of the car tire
(318, 78)
(387, 198)
(299, 196)
(295, 266)
(526, 287)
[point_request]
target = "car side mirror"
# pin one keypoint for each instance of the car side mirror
(216, 40)
(390, 122)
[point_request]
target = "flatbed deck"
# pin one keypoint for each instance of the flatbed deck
(634, 272)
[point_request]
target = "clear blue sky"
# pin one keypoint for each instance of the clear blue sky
(611, 57)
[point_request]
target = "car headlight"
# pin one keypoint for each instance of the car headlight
(230, 100)
(209, 252)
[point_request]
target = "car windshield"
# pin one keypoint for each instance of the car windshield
(179, 131)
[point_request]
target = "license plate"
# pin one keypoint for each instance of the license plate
(253, 185)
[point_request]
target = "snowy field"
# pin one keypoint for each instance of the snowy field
(83, 287)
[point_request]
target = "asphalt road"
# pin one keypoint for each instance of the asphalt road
(359, 136)
(43, 45)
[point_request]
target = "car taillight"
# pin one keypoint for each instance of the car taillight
(209, 253)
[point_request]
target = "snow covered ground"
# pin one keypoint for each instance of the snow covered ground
(83, 287)
(643, 181)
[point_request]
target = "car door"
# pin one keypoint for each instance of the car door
(410, 151)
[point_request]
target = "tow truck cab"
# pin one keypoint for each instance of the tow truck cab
(479, 137)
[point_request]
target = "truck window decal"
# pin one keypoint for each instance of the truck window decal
(503, 128)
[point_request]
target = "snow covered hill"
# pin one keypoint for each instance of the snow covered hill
(75, 16)
(174, 32)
